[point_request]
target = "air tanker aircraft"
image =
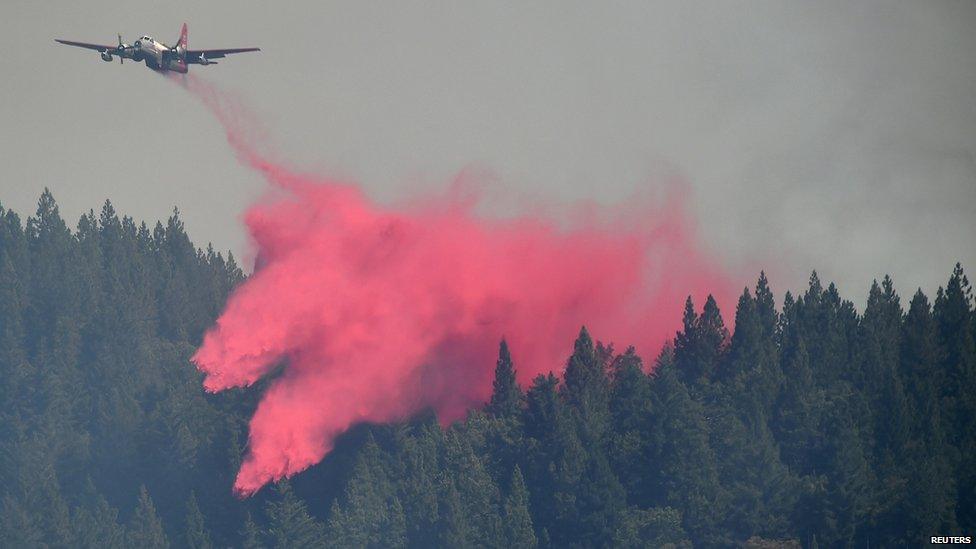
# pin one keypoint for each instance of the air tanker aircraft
(159, 56)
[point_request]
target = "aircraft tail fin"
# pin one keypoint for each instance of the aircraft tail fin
(181, 44)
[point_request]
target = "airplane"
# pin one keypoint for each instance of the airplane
(157, 55)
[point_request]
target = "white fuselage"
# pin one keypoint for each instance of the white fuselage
(158, 55)
(151, 49)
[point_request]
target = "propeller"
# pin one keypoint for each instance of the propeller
(121, 50)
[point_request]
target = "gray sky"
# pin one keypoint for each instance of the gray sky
(839, 136)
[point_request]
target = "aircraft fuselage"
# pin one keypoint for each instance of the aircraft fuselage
(158, 56)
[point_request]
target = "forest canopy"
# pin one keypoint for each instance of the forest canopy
(809, 424)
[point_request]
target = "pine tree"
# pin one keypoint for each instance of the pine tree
(849, 477)
(829, 327)
(797, 416)
(745, 342)
(195, 533)
(16, 372)
(651, 528)
(145, 529)
(761, 490)
(506, 398)
(630, 410)
(18, 527)
(89, 531)
(699, 346)
(685, 470)
(879, 345)
(94, 523)
(766, 306)
(52, 282)
(600, 502)
(367, 515)
(290, 525)
(556, 460)
(751, 371)
(543, 407)
(395, 528)
(478, 495)
(954, 318)
(453, 528)
(879, 380)
(586, 389)
(251, 535)
(420, 449)
(518, 520)
(932, 482)
(57, 517)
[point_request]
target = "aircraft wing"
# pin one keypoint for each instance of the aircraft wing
(96, 47)
(193, 56)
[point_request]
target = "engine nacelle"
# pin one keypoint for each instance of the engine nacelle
(106, 56)
(205, 61)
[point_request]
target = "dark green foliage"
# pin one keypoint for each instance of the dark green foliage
(586, 389)
(931, 478)
(506, 397)
(420, 451)
(251, 535)
(289, 524)
(195, 533)
(370, 514)
(19, 527)
(651, 528)
(453, 529)
(760, 488)
(97, 400)
(517, 518)
(684, 465)
(814, 425)
(752, 370)
(145, 529)
(556, 459)
(699, 346)
(631, 413)
(95, 525)
(955, 320)
(479, 498)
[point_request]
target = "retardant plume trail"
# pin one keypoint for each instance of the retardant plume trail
(380, 312)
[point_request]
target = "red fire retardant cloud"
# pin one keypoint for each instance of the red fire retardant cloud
(380, 312)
